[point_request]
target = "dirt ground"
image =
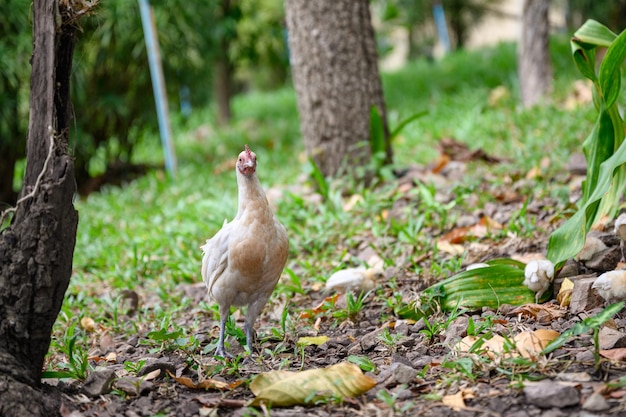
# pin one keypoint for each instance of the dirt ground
(415, 373)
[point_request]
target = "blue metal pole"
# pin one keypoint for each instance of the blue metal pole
(158, 86)
(442, 27)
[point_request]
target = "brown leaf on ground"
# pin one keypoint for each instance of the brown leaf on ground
(458, 151)
(477, 230)
(617, 354)
(542, 313)
(457, 401)
(205, 384)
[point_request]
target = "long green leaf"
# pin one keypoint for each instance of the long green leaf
(584, 42)
(593, 33)
(568, 240)
(377, 131)
(406, 121)
(610, 70)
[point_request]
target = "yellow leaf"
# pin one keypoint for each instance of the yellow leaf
(284, 388)
(88, 324)
(308, 341)
(565, 293)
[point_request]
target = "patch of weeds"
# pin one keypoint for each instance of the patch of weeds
(134, 367)
(76, 353)
(435, 328)
(388, 339)
(354, 306)
(464, 365)
(170, 337)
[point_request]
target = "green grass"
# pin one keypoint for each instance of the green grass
(146, 235)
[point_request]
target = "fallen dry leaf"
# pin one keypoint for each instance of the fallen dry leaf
(542, 313)
(321, 307)
(204, 384)
(310, 341)
(617, 354)
(457, 401)
(564, 297)
(450, 248)
(285, 388)
(454, 401)
(530, 344)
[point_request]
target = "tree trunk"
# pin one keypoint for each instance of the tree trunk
(535, 71)
(335, 73)
(36, 249)
(223, 69)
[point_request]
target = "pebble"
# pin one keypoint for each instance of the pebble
(99, 382)
(596, 402)
(548, 394)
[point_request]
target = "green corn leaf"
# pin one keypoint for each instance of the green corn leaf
(593, 33)
(610, 70)
(377, 131)
(568, 240)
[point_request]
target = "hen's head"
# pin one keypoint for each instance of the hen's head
(246, 162)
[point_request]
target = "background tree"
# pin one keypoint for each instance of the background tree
(36, 249)
(534, 69)
(462, 15)
(335, 74)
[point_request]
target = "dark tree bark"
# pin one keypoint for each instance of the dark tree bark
(535, 71)
(335, 73)
(36, 249)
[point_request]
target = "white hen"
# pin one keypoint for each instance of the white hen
(244, 260)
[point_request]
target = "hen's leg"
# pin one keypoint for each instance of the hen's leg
(220, 351)
(252, 314)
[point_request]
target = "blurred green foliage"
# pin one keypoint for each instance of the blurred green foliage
(15, 50)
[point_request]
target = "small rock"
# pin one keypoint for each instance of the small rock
(133, 386)
(157, 364)
(401, 373)
(370, 340)
(574, 377)
(548, 394)
(395, 374)
(456, 330)
(401, 328)
(418, 326)
(99, 382)
(605, 260)
(611, 338)
(596, 402)
(583, 297)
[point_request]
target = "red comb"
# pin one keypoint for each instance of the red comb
(248, 151)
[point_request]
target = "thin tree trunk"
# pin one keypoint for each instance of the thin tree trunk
(535, 71)
(36, 250)
(335, 73)
(223, 72)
